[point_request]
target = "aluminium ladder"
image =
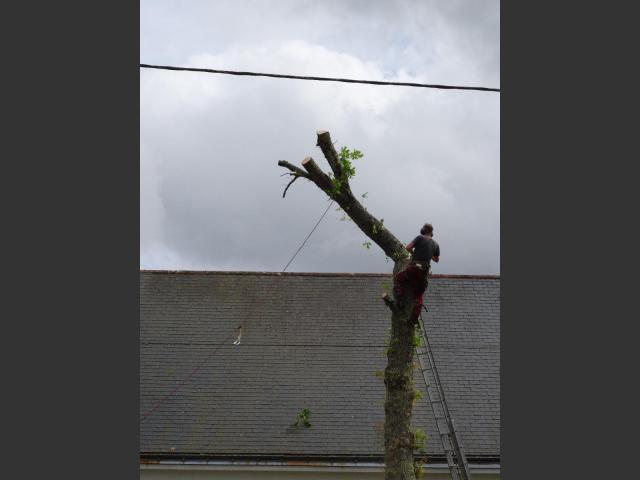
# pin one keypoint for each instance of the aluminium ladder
(456, 459)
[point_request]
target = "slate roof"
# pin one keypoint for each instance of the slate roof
(310, 341)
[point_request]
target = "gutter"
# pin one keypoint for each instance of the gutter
(298, 466)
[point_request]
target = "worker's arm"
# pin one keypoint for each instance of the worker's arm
(436, 254)
(409, 247)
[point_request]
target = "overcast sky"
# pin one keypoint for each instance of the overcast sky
(210, 188)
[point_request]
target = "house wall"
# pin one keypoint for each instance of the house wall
(197, 472)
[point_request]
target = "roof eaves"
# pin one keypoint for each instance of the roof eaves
(309, 274)
(155, 457)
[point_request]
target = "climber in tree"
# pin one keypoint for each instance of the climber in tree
(423, 249)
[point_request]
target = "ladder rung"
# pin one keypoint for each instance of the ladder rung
(447, 431)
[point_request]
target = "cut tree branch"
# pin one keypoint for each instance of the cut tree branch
(294, 169)
(371, 226)
(329, 152)
(389, 302)
(318, 176)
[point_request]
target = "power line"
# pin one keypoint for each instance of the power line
(305, 240)
(321, 79)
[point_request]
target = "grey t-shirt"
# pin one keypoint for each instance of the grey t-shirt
(424, 248)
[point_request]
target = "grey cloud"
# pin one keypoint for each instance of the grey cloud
(210, 187)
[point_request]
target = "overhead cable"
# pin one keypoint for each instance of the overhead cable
(320, 79)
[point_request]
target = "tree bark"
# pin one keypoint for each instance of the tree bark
(400, 392)
(398, 379)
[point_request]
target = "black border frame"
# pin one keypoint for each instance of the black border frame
(71, 190)
(71, 233)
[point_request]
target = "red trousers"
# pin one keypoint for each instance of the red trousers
(411, 283)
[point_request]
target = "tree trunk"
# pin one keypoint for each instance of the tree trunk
(398, 379)
(399, 439)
